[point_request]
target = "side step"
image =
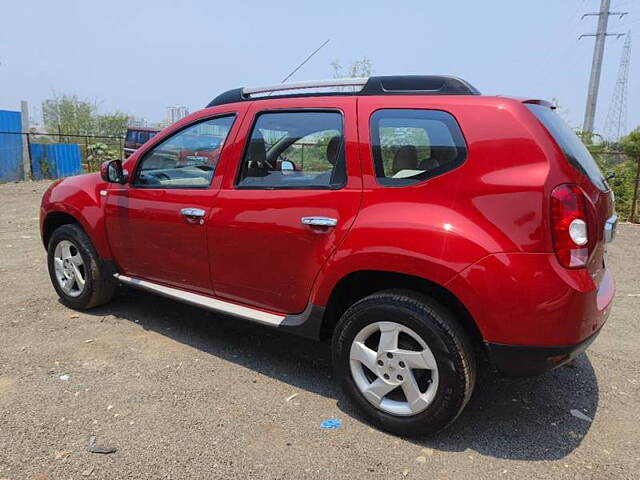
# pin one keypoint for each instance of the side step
(203, 301)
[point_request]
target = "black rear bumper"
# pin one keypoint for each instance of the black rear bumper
(521, 361)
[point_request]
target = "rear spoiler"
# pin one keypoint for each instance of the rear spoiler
(537, 101)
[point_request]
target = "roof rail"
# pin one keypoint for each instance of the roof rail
(338, 82)
(386, 85)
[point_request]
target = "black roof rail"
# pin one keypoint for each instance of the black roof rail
(379, 85)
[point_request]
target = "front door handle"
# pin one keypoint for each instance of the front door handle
(319, 221)
(193, 214)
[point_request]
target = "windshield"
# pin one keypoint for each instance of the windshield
(570, 144)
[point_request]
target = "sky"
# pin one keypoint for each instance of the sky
(141, 56)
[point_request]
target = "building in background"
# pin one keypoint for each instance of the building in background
(137, 122)
(176, 112)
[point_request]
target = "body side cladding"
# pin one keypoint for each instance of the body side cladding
(306, 324)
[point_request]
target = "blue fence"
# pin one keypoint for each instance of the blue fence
(55, 160)
(10, 146)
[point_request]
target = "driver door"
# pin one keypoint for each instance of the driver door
(156, 223)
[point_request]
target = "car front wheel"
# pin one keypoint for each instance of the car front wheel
(75, 269)
(404, 361)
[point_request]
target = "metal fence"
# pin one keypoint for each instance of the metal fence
(54, 155)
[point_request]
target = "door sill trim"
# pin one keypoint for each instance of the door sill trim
(204, 301)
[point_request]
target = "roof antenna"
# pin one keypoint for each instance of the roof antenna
(305, 61)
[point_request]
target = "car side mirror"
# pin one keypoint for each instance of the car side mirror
(111, 171)
(287, 167)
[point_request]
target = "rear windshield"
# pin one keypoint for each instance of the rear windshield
(570, 144)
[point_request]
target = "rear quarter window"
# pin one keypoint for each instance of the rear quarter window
(572, 147)
(411, 146)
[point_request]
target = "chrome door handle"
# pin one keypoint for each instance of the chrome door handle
(193, 214)
(319, 221)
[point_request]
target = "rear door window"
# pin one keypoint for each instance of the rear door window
(410, 146)
(295, 150)
(572, 147)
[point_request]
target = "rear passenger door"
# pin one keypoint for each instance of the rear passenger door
(291, 196)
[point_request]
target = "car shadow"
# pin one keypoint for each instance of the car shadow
(524, 419)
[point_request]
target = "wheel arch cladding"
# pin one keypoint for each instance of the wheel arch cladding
(53, 221)
(358, 284)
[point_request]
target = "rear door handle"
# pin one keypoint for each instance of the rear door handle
(319, 221)
(193, 214)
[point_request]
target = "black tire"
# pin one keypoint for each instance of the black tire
(99, 284)
(449, 343)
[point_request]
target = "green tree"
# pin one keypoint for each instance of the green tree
(619, 163)
(631, 147)
(70, 115)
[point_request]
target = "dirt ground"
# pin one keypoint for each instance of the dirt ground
(186, 394)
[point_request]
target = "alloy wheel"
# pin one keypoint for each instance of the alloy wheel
(69, 268)
(394, 368)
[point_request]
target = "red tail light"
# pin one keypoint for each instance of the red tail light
(569, 225)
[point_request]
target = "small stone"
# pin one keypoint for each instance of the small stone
(405, 472)
(428, 452)
(87, 472)
(421, 459)
(88, 341)
(109, 407)
(75, 315)
(580, 415)
(65, 377)
(63, 455)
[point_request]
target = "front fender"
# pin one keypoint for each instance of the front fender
(80, 197)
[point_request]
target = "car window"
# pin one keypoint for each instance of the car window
(143, 137)
(295, 150)
(187, 159)
(131, 136)
(572, 147)
(410, 146)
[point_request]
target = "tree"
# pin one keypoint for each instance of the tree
(631, 146)
(619, 163)
(358, 69)
(70, 115)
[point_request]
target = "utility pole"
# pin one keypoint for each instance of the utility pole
(596, 65)
(616, 124)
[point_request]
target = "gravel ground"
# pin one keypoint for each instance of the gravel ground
(182, 393)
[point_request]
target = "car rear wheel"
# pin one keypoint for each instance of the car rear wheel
(76, 270)
(404, 361)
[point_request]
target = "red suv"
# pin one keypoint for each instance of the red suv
(417, 223)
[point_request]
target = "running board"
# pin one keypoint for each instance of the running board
(209, 303)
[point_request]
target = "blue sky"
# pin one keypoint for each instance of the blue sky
(139, 57)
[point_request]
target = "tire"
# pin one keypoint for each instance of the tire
(98, 284)
(438, 394)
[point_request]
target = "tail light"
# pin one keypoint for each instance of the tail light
(569, 224)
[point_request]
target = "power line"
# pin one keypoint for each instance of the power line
(596, 64)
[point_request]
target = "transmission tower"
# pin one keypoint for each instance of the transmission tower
(596, 65)
(616, 124)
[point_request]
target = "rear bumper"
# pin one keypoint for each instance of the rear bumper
(521, 361)
(528, 299)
